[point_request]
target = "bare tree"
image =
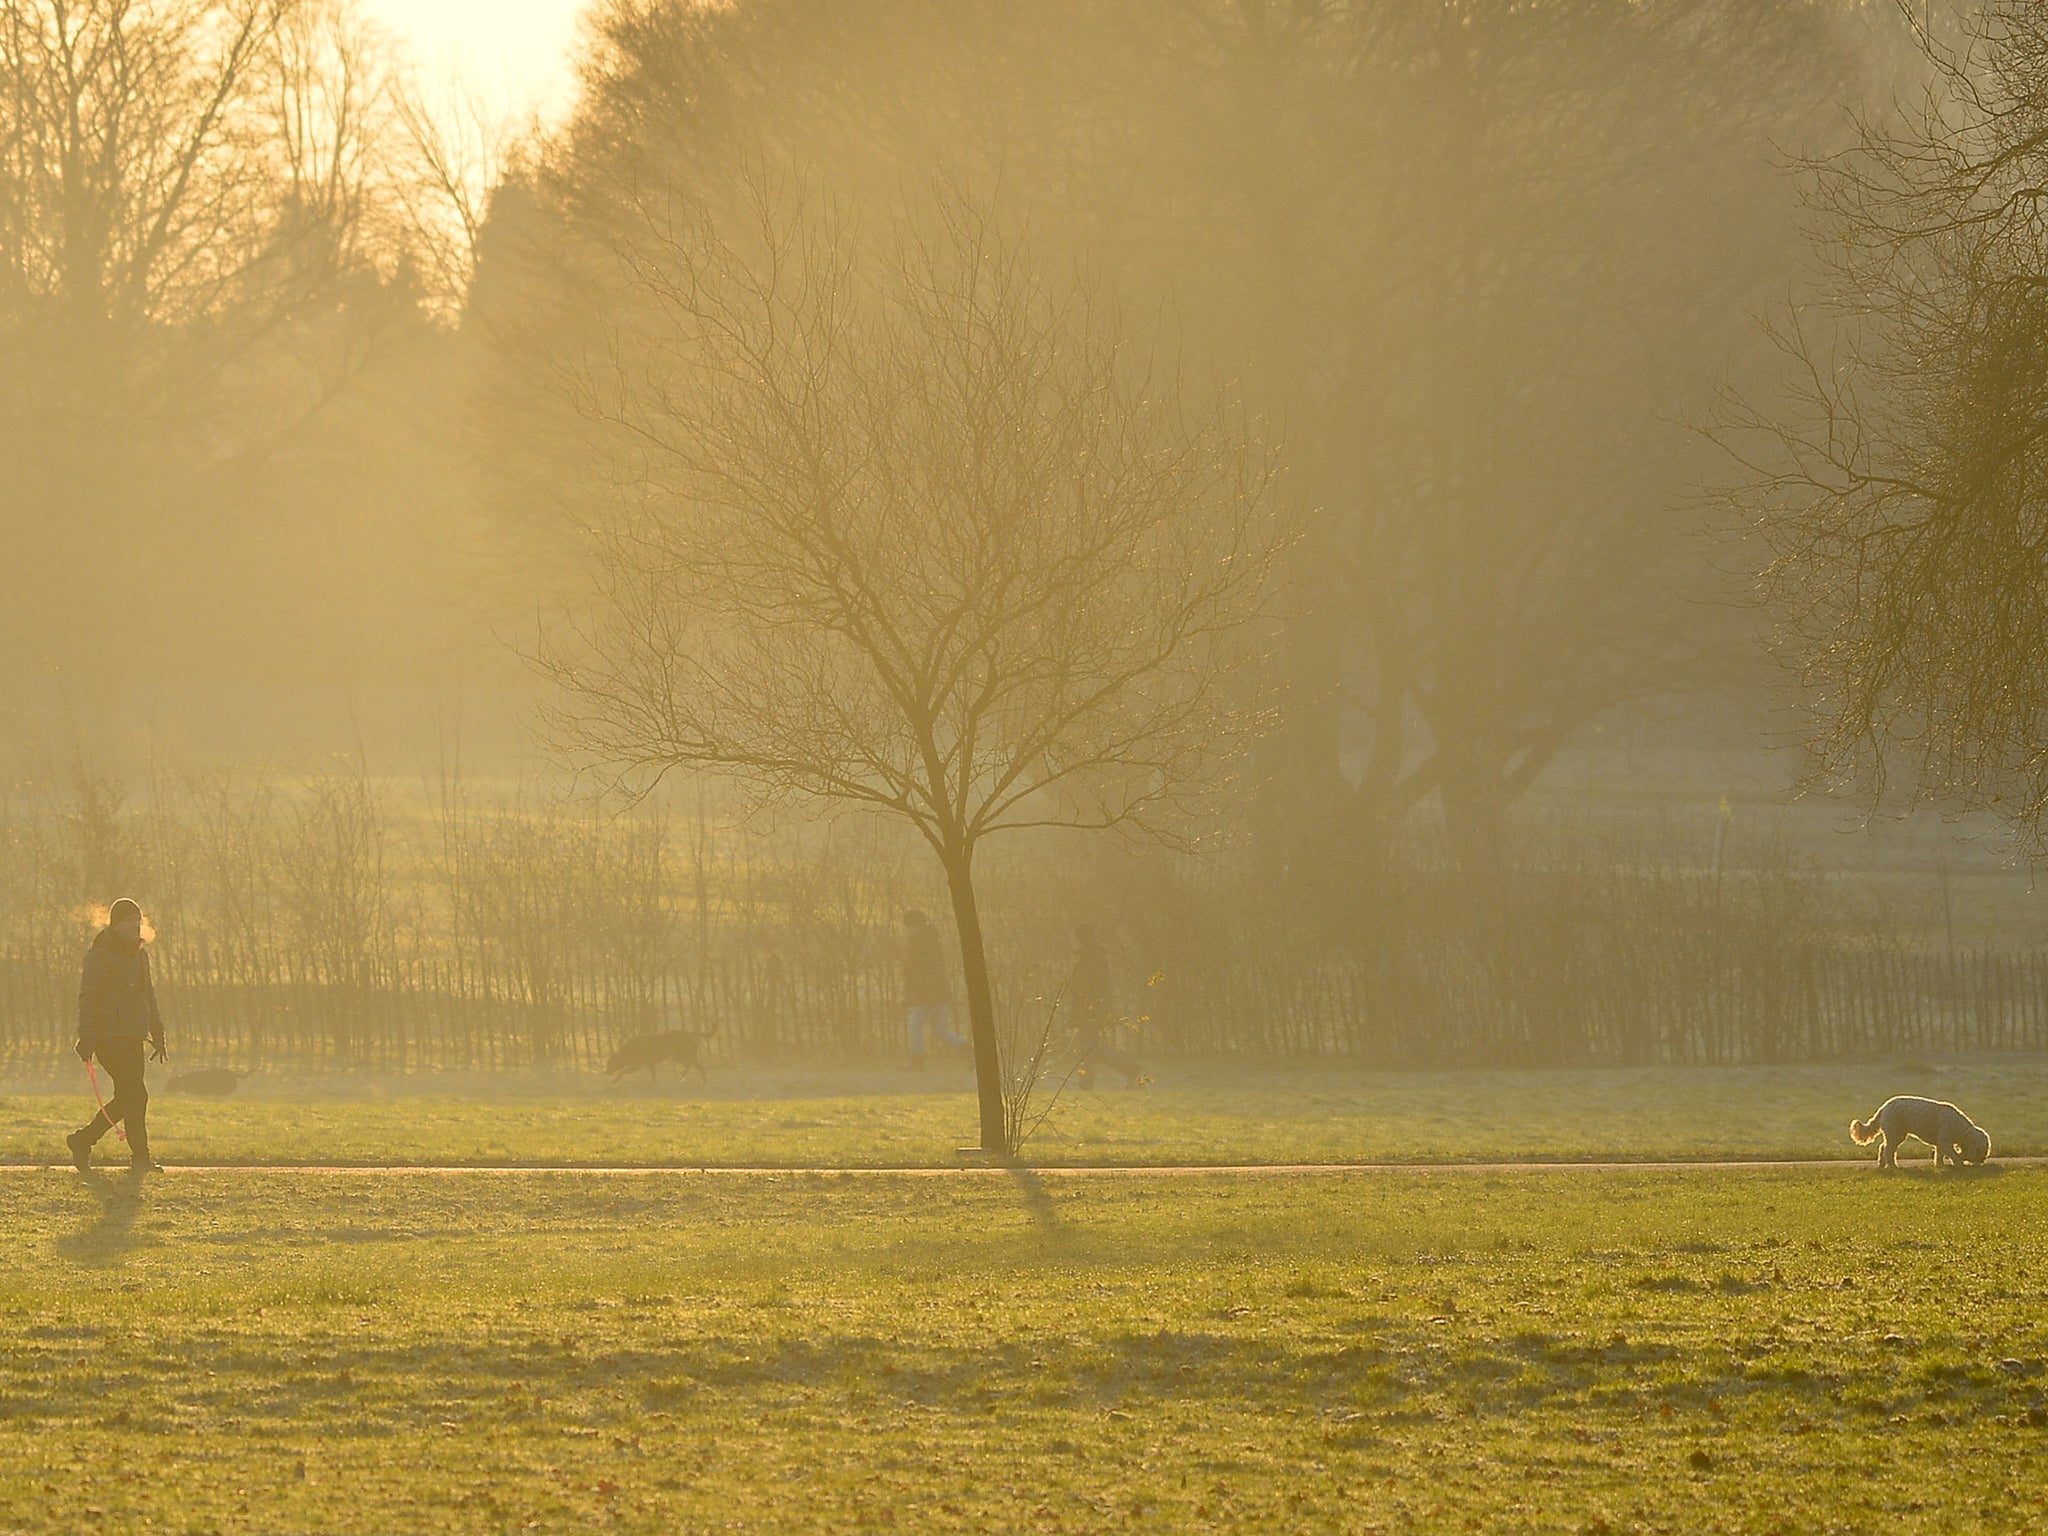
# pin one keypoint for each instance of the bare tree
(193, 235)
(1899, 482)
(457, 150)
(915, 532)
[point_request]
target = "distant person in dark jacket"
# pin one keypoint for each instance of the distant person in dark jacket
(1088, 996)
(927, 987)
(117, 1012)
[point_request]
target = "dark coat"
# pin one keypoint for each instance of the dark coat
(116, 998)
(1088, 986)
(925, 982)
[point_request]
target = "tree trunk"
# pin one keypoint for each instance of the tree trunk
(981, 1007)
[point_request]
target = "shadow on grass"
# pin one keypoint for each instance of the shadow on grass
(1037, 1198)
(375, 1389)
(111, 1232)
(1923, 1168)
(356, 1389)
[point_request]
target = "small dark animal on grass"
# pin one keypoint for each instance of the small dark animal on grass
(213, 1082)
(1952, 1134)
(650, 1051)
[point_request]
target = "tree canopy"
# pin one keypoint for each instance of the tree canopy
(1900, 481)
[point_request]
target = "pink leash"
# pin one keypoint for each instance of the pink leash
(92, 1072)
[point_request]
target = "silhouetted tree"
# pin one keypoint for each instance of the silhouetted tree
(912, 528)
(1902, 484)
(195, 251)
(1492, 255)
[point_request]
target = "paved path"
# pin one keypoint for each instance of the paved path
(977, 1169)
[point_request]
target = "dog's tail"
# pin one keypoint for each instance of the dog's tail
(1863, 1132)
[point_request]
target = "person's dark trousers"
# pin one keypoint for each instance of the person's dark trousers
(130, 1103)
(1096, 1051)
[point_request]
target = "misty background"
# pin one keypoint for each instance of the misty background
(314, 368)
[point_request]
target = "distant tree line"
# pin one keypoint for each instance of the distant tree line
(332, 922)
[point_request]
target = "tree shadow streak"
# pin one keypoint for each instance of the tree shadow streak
(1037, 1198)
(1923, 1168)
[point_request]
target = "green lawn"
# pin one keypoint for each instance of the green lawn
(1753, 1350)
(1204, 1114)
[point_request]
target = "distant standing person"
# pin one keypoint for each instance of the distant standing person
(927, 988)
(1088, 995)
(116, 1012)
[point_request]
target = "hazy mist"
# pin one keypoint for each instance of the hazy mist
(1283, 436)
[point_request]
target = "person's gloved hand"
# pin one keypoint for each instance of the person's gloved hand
(156, 1048)
(84, 1049)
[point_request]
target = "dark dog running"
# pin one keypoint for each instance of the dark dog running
(212, 1082)
(650, 1051)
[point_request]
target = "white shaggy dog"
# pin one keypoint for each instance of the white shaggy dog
(1941, 1125)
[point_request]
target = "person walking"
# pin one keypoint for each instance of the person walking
(1088, 995)
(117, 1011)
(927, 988)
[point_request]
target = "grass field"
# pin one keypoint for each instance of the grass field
(1201, 1114)
(1755, 1350)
